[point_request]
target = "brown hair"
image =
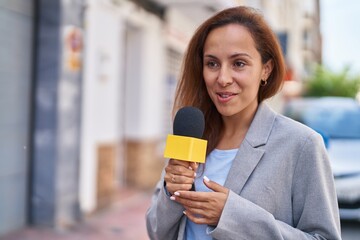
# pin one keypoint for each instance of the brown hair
(191, 89)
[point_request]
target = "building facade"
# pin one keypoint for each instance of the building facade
(16, 26)
(297, 24)
(39, 131)
(87, 90)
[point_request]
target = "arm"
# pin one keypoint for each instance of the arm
(314, 205)
(163, 217)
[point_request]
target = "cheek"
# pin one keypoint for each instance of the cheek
(206, 74)
(208, 89)
(209, 79)
(250, 80)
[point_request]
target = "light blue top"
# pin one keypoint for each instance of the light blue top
(217, 167)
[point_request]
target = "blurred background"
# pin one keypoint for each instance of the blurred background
(86, 92)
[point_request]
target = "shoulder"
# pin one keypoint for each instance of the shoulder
(305, 145)
(293, 131)
(291, 126)
(269, 126)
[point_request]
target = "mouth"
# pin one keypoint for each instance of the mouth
(225, 96)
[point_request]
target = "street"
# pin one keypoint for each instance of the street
(350, 230)
(125, 219)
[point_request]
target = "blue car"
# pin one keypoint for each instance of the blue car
(337, 119)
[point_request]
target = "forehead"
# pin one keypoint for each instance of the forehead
(230, 37)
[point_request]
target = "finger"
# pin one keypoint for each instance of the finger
(188, 204)
(182, 179)
(178, 179)
(173, 187)
(214, 186)
(185, 196)
(195, 218)
(198, 211)
(194, 166)
(180, 170)
(179, 162)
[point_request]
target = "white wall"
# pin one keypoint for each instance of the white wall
(145, 76)
(123, 84)
(101, 113)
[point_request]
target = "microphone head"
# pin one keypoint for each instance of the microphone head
(190, 122)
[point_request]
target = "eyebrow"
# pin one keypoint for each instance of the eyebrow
(235, 55)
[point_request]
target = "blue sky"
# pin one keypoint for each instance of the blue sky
(340, 27)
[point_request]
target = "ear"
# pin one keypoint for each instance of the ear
(267, 69)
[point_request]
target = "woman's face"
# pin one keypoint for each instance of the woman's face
(232, 69)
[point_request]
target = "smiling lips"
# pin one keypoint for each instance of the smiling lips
(224, 97)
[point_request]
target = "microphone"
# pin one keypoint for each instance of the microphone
(186, 143)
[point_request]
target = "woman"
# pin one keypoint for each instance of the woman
(265, 176)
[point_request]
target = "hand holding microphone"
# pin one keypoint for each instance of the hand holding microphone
(185, 149)
(180, 175)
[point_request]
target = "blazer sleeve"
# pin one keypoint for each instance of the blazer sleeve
(164, 216)
(314, 204)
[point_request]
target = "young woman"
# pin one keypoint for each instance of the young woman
(265, 176)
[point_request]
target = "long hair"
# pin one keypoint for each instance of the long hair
(191, 89)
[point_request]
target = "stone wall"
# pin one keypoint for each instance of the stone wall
(144, 164)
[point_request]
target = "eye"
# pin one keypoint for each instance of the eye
(212, 64)
(239, 64)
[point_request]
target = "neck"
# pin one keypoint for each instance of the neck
(236, 127)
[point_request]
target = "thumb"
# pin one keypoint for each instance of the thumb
(194, 166)
(214, 186)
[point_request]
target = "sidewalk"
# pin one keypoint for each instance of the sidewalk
(124, 219)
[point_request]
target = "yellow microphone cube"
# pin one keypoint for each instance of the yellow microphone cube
(185, 148)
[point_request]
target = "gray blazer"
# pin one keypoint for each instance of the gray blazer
(281, 187)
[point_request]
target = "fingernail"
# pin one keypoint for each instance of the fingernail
(176, 193)
(194, 174)
(184, 212)
(206, 179)
(172, 198)
(190, 168)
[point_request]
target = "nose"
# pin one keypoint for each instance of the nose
(224, 77)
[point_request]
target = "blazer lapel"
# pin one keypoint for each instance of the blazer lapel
(251, 149)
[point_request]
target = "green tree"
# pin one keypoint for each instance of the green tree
(325, 82)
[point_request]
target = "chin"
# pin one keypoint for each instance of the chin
(226, 112)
